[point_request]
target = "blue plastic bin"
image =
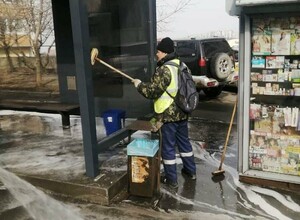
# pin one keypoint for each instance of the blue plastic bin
(112, 119)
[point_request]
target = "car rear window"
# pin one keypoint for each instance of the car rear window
(211, 48)
(185, 48)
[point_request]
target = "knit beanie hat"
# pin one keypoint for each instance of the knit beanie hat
(166, 45)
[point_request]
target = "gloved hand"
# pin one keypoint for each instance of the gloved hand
(136, 82)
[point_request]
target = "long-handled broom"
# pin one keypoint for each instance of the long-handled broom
(94, 57)
(220, 171)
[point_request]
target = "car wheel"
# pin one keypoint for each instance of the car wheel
(213, 92)
(221, 66)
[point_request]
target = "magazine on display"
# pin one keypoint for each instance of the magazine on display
(274, 144)
(274, 153)
(258, 62)
(295, 43)
(281, 42)
(274, 62)
(261, 37)
(261, 43)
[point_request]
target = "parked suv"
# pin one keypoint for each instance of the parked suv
(211, 62)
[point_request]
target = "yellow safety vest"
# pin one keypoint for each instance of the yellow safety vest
(164, 101)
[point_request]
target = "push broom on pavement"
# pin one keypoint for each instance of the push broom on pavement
(220, 171)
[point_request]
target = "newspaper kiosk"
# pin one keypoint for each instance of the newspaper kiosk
(269, 87)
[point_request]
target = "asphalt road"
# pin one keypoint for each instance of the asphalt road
(217, 109)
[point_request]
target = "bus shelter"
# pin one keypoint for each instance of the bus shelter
(124, 32)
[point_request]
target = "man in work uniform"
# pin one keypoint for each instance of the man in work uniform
(174, 129)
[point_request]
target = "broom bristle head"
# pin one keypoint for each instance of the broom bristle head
(218, 172)
(94, 54)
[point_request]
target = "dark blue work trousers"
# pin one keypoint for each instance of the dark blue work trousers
(176, 134)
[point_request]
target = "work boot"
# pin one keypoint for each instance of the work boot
(168, 183)
(188, 174)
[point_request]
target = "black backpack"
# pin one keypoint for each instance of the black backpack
(187, 97)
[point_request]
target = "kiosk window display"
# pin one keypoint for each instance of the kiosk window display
(274, 122)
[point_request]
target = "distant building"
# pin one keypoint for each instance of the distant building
(19, 45)
(228, 34)
(12, 32)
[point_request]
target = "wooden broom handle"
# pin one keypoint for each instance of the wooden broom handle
(111, 67)
(228, 134)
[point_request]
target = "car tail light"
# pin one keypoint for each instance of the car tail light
(211, 84)
(202, 62)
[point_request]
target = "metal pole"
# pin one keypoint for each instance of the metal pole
(79, 19)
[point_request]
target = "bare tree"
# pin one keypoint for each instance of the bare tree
(30, 18)
(10, 27)
(39, 23)
(167, 9)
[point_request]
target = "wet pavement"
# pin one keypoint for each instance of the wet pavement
(35, 145)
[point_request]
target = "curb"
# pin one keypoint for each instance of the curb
(103, 193)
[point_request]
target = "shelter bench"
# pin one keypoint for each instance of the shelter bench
(64, 109)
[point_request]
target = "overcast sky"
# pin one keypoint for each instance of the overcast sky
(200, 17)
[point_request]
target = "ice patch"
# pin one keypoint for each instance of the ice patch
(283, 200)
(252, 195)
(204, 205)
